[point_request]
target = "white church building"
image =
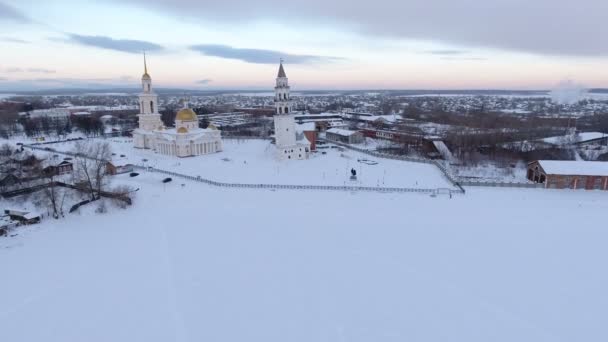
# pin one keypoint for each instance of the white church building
(287, 145)
(185, 140)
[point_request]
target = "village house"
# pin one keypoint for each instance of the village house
(566, 174)
(61, 168)
(113, 169)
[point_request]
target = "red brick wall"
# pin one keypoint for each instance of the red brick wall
(312, 137)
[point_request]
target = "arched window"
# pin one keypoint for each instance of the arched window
(280, 110)
(148, 86)
(151, 106)
(286, 110)
(141, 108)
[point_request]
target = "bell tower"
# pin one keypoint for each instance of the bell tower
(284, 121)
(149, 117)
(282, 101)
(148, 100)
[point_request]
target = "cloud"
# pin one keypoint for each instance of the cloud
(123, 45)
(549, 27)
(30, 70)
(464, 59)
(204, 82)
(13, 40)
(53, 83)
(126, 78)
(41, 70)
(10, 13)
(257, 56)
(71, 81)
(447, 52)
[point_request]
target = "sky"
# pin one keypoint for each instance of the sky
(329, 45)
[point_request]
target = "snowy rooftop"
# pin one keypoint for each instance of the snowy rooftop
(568, 167)
(342, 132)
(306, 126)
(580, 137)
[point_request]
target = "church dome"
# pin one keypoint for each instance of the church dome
(186, 114)
(146, 77)
(182, 130)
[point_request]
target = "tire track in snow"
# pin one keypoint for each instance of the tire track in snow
(179, 326)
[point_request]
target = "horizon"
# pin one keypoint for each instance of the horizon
(203, 45)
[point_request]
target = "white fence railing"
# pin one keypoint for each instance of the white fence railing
(280, 186)
(504, 184)
(458, 184)
(304, 187)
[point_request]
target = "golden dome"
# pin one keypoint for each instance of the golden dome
(146, 77)
(212, 126)
(186, 114)
(182, 130)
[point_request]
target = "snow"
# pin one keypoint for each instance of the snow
(571, 168)
(342, 132)
(199, 263)
(305, 126)
(444, 150)
(254, 162)
(579, 137)
(490, 172)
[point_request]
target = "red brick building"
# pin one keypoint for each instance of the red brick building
(565, 174)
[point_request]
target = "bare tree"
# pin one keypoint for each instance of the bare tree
(54, 195)
(6, 150)
(123, 193)
(91, 166)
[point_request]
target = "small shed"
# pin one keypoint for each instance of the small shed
(113, 169)
(567, 174)
(24, 217)
(62, 168)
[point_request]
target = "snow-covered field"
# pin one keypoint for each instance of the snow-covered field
(253, 161)
(198, 263)
(490, 172)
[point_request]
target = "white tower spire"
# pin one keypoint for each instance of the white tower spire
(281, 90)
(284, 121)
(149, 118)
(146, 80)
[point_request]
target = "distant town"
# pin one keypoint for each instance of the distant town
(486, 136)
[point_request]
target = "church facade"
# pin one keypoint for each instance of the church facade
(185, 140)
(287, 145)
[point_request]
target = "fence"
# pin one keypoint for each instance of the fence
(243, 137)
(283, 186)
(55, 141)
(39, 187)
(443, 169)
(504, 184)
(304, 187)
(455, 182)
